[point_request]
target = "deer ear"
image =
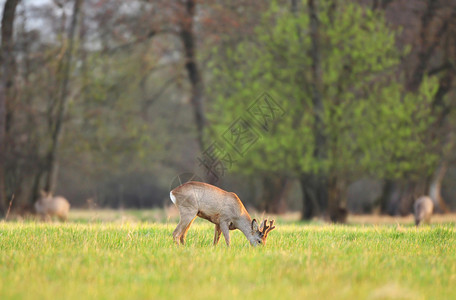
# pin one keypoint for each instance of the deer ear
(43, 193)
(254, 225)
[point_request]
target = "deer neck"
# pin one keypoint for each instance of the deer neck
(244, 224)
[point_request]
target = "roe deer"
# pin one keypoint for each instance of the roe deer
(48, 206)
(220, 207)
(423, 209)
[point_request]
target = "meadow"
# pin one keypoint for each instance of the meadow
(138, 260)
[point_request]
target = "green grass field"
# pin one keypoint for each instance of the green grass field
(312, 261)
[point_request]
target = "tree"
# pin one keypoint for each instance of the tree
(431, 54)
(6, 83)
(364, 119)
(90, 92)
(61, 103)
(187, 36)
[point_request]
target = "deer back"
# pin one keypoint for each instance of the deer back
(207, 199)
(424, 205)
(52, 205)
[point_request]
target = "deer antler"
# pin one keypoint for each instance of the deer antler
(263, 226)
(265, 229)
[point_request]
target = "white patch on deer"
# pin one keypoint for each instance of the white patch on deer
(173, 198)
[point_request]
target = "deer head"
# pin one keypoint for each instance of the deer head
(261, 234)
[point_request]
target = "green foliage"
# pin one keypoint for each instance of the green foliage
(139, 261)
(398, 142)
(371, 124)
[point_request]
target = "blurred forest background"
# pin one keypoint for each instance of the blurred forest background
(321, 107)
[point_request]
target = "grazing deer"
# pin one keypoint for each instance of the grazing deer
(423, 209)
(220, 207)
(48, 206)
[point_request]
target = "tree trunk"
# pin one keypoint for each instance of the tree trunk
(275, 190)
(6, 82)
(36, 185)
(409, 192)
(389, 189)
(398, 197)
(314, 186)
(316, 71)
(435, 188)
(62, 103)
(187, 35)
(310, 206)
(381, 4)
(425, 49)
(294, 6)
(408, 196)
(442, 110)
(318, 190)
(337, 204)
(314, 196)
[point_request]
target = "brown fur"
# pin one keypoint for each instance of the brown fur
(48, 206)
(423, 207)
(222, 208)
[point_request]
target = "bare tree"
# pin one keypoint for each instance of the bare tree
(62, 103)
(187, 36)
(6, 83)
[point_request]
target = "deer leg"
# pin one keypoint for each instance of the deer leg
(184, 233)
(218, 231)
(226, 232)
(186, 219)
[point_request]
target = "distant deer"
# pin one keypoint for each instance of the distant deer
(48, 206)
(220, 207)
(423, 209)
